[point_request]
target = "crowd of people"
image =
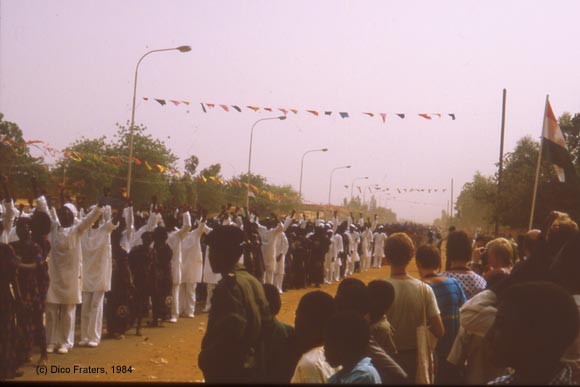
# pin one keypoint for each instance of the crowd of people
(497, 312)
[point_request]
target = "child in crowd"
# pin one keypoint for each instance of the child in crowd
(381, 295)
(312, 314)
(346, 339)
(281, 344)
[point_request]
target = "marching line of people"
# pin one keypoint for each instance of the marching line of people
(121, 266)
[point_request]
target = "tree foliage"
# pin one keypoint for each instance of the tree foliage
(16, 162)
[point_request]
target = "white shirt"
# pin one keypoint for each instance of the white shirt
(97, 256)
(312, 368)
(191, 255)
(65, 259)
(174, 240)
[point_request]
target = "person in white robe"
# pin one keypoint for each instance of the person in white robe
(191, 268)
(379, 247)
(268, 237)
(97, 272)
(174, 240)
(65, 272)
(282, 246)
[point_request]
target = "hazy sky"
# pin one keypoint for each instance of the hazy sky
(67, 68)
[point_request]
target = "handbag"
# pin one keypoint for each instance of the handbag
(426, 343)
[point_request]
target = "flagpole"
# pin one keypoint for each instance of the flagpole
(538, 165)
(500, 162)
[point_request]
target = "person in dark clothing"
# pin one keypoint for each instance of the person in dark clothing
(9, 304)
(232, 350)
(352, 294)
(280, 347)
(161, 301)
(299, 252)
(120, 309)
(141, 262)
(535, 323)
(318, 249)
(30, 320)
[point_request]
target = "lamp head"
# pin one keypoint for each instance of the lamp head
(324, 149)
(282, 118)
(348, 166)
(184, 48)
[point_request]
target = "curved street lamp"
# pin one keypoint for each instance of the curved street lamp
(352, 185)
(281, 118)
(330, 186)
(131, 128)
(302, 166)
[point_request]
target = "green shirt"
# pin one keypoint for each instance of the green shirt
(232, 349)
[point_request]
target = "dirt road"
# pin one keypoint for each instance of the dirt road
(161, 354)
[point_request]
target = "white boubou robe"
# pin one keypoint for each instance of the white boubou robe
(65, 259)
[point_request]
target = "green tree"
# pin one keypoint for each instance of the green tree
(477, 202)
(145, 182)
(210, 192)
(16, 162)
(89, 170)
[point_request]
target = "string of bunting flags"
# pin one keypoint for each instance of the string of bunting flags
(402, 190)
(206, 106)
(121, 160)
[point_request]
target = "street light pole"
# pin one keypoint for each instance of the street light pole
(330, 185)
(302, 166)
(352, 185)
(281, 118)
(131, 128)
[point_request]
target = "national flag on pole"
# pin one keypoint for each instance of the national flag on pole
(554, 148)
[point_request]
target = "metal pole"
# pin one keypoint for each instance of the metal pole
(131, 128)
(302, 166)
(250, 155)
(538, 166)
(330, 185)
(451, 205)
(500, 163)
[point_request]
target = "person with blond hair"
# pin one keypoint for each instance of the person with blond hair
(500, 255)
(411, 296)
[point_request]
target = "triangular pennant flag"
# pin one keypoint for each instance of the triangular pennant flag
(159, 168)
(161, 101)
(186, 102)
(283, 111)
(401, 115)
(370, 114)
(452, 116)
(251, 194)
(176, 103)
(444, 190)
(327, 113)
(136, 161)
(146, 99)
(295, 111)
(203, 107)
(398, 190)
(225, 107)
(313, 112)
(268, 109)
(147, 165)
(210, 105)
(254, 108)
(437, 114)
(426, 116)
(384, 117)
(344, 114)
(237, 108)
